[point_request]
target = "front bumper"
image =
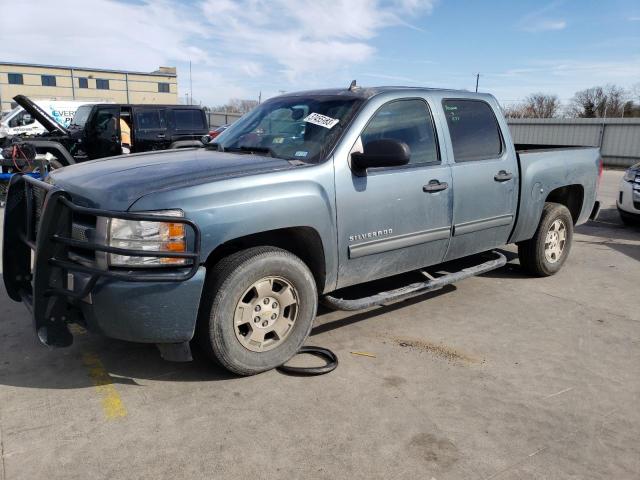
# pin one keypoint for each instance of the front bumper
(629, 196)
(42, 269)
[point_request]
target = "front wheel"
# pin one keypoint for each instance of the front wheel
(545, 253)
(259, 306)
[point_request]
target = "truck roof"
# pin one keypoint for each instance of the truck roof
(368, 92)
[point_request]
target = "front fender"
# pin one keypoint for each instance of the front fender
(231, 208)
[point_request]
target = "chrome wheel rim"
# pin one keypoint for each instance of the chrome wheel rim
(555, 241)
(266, 313)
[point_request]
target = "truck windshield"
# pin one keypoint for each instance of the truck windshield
(10, 113)
(81, 116)
(292, 128)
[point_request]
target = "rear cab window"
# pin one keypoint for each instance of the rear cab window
(474, 130)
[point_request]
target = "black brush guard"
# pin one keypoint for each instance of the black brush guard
(38, 219)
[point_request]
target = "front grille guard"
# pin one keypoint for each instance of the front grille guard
(46, 230)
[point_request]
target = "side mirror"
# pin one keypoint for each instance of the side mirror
(381, 153)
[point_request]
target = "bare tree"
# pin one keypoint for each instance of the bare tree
(540, 105)
(536, 105)
(516, 110)
(607, 101)
(237, 105)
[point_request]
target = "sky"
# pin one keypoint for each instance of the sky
(244, 48)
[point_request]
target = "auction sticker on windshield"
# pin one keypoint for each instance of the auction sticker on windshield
(322, 120)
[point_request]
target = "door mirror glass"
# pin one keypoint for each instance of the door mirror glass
(385, 152)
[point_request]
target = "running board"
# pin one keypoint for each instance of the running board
(414, 289)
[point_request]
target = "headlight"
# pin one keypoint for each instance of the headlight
(630, 175)
(146, 235)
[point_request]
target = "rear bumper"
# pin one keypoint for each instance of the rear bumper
(144, 305)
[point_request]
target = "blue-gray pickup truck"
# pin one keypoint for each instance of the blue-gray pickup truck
(233, 244)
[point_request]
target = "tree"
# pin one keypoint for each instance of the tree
(607, 101)
(236, 105)
(536, 105)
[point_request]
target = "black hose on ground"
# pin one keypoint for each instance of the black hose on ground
(324, 353)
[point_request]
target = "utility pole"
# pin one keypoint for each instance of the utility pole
(191, 85)
(477, 80)
(260, 97)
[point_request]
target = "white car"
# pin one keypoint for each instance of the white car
(628, 201)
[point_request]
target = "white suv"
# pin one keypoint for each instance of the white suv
(628, 201)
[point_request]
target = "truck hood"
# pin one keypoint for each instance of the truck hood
(40, 115)
(116, 183)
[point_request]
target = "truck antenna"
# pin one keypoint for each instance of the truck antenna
(352, 87)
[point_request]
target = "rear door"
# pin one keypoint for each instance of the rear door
(485, 175)
(149, 129)
(394, 219)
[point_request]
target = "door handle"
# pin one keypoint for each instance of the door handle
(435, 186)
(503, 176)
(161, 135)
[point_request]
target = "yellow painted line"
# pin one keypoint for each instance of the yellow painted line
(77, 329)
(363, 354)
(111, 402)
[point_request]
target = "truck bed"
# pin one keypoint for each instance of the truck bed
(545, 168)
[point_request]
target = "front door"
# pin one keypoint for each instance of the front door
(104, 133)
(485, 173)
(395, 219)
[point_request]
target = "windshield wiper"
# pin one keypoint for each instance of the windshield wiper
(248, 149)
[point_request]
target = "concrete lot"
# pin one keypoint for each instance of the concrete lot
(500, 377)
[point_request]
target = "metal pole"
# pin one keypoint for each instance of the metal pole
(603, 126)
(190, 84)
(477, 80)
(73, 86)
(126, 83)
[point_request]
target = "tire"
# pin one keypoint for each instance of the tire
(537, 260)
(235, 288)
(629, 219)
(55, 164)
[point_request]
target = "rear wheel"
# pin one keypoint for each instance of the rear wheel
(546, 252)
(259, 307)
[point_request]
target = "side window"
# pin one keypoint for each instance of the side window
(105, 121)
(474, 130)
(148, 119)
(188, 119)
(408, 121)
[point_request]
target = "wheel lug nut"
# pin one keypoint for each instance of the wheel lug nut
(273, 317)
(256, 320)
(266, 301)
(258, 308)
(265, 323)
(275, 305)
